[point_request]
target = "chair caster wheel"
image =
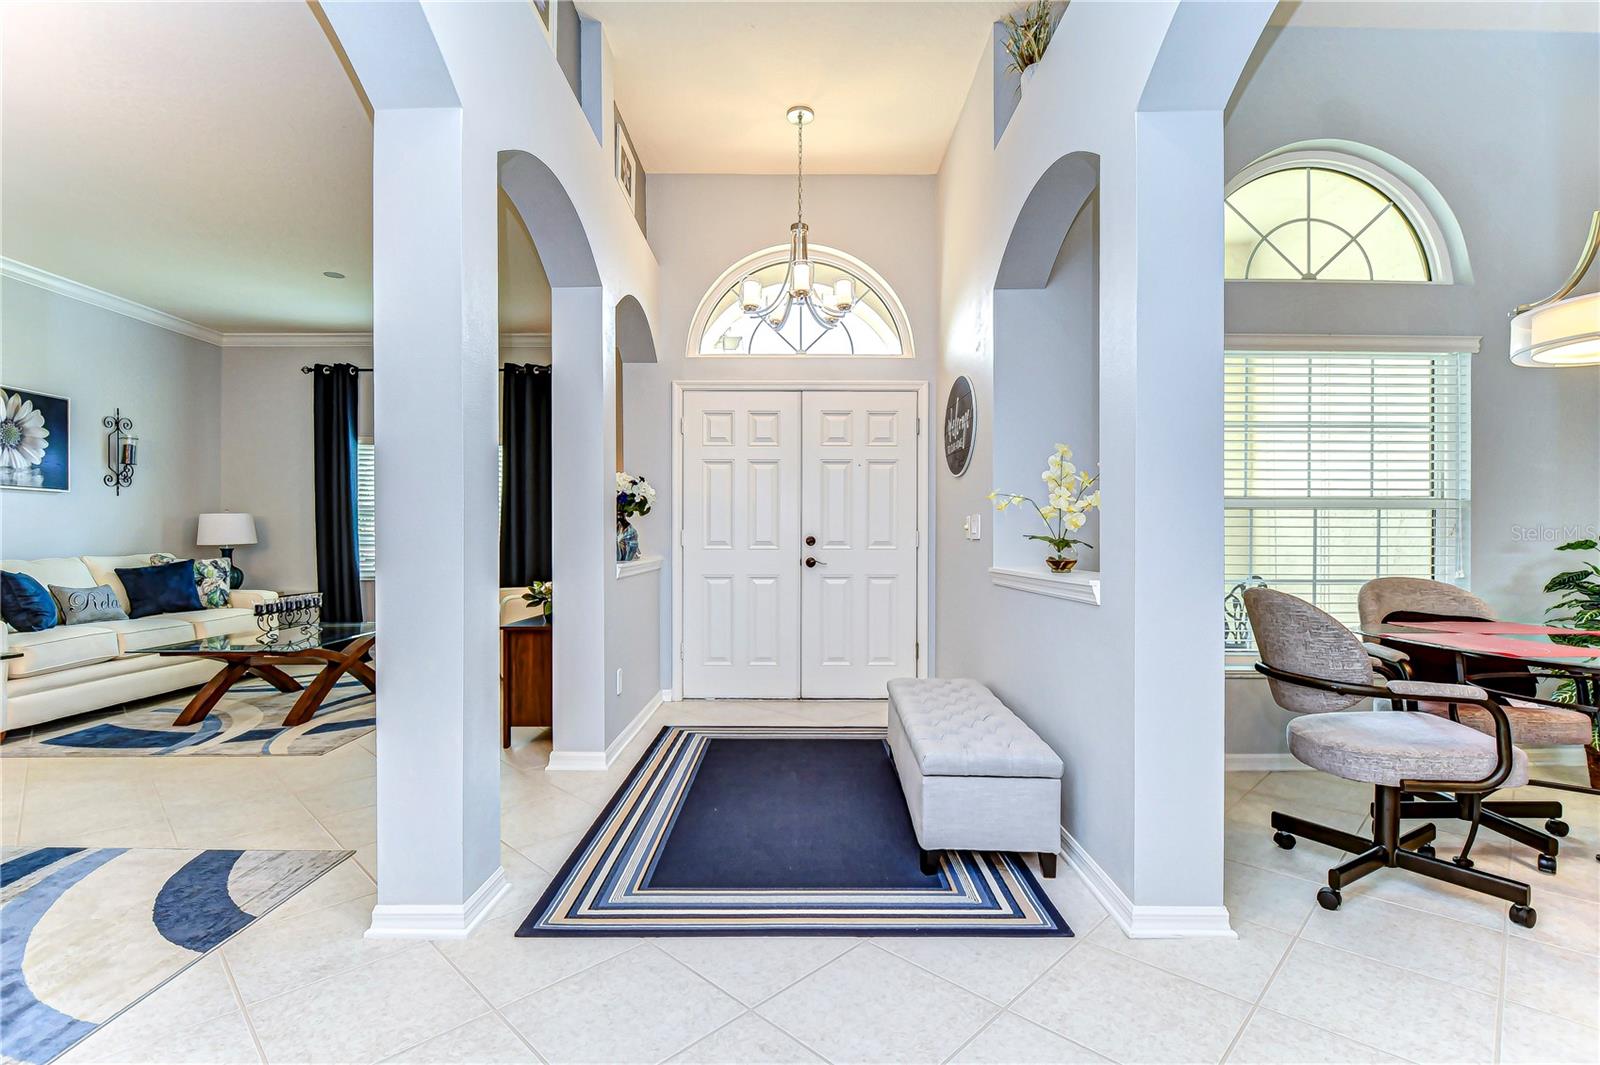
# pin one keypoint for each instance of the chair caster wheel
(1465, 863)
(1547, 864)
(1329, 898)
(1524, 916)
(1284, 840)
(1427, 851)
(1556, 828)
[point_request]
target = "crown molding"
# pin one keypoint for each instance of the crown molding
(62, 286)
(354, 340)
(1316, 342)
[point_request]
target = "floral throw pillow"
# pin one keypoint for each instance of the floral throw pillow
(211, 580)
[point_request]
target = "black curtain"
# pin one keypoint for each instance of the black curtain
(335, 399)
(525, 495)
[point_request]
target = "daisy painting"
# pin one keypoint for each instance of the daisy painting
(33, 441)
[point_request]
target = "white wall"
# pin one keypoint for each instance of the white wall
(167, 383)
(1456, 106)
(702, 224)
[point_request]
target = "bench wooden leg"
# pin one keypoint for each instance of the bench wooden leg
(930, 863)
(1047, 865)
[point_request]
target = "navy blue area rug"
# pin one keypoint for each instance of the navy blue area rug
(752, 831)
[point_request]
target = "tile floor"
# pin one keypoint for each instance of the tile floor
(1406, 970)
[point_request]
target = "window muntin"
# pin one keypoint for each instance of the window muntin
(872, 328)
(366, 511)
(1316, 223)
(1340, 467)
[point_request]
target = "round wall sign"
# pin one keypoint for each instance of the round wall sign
(960, 426)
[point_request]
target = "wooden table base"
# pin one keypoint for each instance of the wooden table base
(240, 664)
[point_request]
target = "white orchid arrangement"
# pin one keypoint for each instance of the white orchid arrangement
(1071, 494)
(634, 495)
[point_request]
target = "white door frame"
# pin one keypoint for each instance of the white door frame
(924, 497)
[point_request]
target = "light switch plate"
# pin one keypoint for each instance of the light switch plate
(974, 526)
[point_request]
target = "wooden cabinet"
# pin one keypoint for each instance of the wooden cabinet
(526, 675)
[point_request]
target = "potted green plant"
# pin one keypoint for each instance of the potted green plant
(1579, 607)
(540, 595)
(1028, 36)
(1064, 511)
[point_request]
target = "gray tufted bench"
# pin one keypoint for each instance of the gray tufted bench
(974, 776)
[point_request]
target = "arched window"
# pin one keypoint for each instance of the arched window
(876, 326)
(1325, 216)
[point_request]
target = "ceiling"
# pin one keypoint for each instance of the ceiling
(1560, 16)
(209, 160)
(704, 86)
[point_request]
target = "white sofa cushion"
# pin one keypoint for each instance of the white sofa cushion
(220, 622)
(66, 572)
(958, 728)
(62, 647)
(139, 634)
(98, 671)
(104, 568)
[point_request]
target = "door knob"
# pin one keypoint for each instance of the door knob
(811, 541)
(811, 562)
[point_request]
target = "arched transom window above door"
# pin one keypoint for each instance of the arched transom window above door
(875, 327)
(1323, 216)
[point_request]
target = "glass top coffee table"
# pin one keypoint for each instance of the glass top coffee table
(338, 647)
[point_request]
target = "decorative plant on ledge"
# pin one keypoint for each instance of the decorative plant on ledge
(634, 497)
(1064, 511)
(541, 594)
(1579, 607)
(1028, 37)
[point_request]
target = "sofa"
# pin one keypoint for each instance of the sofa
(70, 669)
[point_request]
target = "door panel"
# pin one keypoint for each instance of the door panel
(859, 484)
(741, 550)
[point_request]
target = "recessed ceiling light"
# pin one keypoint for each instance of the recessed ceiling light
(336, 275)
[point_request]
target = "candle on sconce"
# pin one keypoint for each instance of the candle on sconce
(129, 452)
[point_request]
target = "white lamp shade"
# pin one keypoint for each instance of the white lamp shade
(226, 530)
(1563, 333)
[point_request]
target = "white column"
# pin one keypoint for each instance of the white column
(435, 359)
(1178, 657)
(583, 529)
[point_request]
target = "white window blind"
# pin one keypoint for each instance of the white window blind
(1344, 466)
(367, 502)
(366, 511)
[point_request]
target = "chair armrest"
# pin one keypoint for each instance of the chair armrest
(1385, 653)
(250, 597)
(1427, 689)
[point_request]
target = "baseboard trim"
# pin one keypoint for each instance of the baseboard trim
(599, 761)
(438, 921)
(1144, 922)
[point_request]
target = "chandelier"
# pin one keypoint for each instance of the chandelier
(827, 304)
(1561, 329)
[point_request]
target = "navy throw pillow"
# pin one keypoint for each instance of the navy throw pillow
(164, 589)
(25, 603)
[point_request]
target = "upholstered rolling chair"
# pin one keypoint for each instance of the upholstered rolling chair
(1533, 724)
(1319, 669)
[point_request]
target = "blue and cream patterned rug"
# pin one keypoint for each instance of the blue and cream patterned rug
(246, 721)
(777, 831)
(86, 932)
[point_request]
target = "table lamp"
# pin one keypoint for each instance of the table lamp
(227, 531)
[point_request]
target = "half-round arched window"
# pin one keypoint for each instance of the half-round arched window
(1324, 216)
(875, 326)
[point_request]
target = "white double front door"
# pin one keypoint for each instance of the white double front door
(800, 514)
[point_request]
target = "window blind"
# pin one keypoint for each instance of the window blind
(1340, 467)
(366, 511)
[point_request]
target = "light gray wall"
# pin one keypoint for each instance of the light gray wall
(167, 383)
(268, 457)
(702, 224)
(1504, 125)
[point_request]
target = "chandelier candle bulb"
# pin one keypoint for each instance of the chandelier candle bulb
(843, 294)
(750, 294)
(802, 280)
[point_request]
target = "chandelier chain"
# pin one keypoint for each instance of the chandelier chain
(800, 173)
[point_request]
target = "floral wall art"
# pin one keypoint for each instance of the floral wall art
(33, 440)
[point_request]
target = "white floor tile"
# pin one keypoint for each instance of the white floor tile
(871, 1006)
(748, 1040)
(1273, 1039)
(1553, 979)
(753, 970)
(1377, 1004)
(1130, 1011)
(1272, 899)
(641, 1006)
(998, 968)
(281, 953)
(171, 1040)
(1528, 1037)
(368, 1013)
(488, 1040)
(506, 968)
(1441, 948)
(1010, 1040)
(1238, 967)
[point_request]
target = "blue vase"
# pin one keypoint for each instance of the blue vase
(627, 541)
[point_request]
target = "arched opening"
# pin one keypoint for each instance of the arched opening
(876, 327)
(1046, 354)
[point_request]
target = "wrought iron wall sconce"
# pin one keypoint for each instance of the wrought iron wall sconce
(122, 451)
